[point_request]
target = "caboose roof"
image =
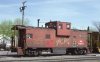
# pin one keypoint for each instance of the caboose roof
(58, 22)
(16, 27)
(78, 30)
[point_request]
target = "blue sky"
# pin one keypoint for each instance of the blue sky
(81, 13)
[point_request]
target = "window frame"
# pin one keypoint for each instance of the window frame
(60, 26)
(47, 36)
(67, 26)
(29, 35)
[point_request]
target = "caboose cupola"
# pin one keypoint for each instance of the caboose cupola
(62, 28)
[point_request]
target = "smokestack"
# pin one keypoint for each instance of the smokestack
(38, 22)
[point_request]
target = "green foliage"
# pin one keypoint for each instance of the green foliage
(6, 25)
(18, 21)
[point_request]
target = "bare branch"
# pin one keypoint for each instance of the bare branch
(97, 25)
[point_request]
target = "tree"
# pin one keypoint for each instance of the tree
(18, 21)
(97, 25)
(6, 25)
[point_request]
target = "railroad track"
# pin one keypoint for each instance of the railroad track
(52, 59)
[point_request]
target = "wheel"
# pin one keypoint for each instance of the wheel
(85, 51)
(76, 52)
(67, 52)
(36, 53)
(28, 53)
(40, 52)
(80, 52)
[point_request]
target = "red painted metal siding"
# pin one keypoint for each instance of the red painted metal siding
(63, 42)
(39, 37)
(76, 39)
(79, 38)
(63, 31)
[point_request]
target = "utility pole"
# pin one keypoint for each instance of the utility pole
(22, 10)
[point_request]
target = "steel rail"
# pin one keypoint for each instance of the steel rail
(51, 59)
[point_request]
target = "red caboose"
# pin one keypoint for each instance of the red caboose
(55, 35)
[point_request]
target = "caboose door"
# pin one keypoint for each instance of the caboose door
(21, 40)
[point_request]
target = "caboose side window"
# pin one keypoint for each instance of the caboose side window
(68, 26)
(47, 36)
(29, 35)
(60, 26)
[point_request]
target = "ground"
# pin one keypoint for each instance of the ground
(7, 56)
